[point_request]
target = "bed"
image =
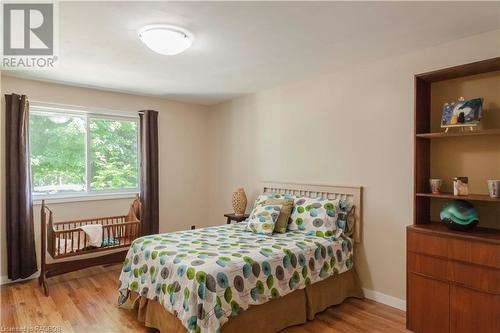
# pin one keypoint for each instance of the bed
(225, 279)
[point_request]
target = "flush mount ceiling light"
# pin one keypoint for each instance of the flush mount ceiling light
(166, 39)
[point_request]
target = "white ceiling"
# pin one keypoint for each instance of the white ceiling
(244, 47)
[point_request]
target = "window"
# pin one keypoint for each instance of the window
(79, 153)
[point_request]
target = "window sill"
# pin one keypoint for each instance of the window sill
(83, 198)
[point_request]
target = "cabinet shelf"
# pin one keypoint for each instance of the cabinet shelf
(472, 197)
(442, 135)
(478, 233)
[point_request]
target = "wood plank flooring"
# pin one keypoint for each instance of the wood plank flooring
(85, 301)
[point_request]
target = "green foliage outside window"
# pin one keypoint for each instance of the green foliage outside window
(113, 154)
(58, 145)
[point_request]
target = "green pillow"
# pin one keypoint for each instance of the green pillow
(286, 210)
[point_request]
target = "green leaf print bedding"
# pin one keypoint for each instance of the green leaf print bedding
(205, 276)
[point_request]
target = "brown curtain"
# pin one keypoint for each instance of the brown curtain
(148, 124)
(21, 253)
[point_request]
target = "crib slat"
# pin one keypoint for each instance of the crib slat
(112, 233)
(126, 236)
(128, 231)
(72, 241)
(59, 247)
(79, 233)
(108, 235)
(136, 233)
(66, 239)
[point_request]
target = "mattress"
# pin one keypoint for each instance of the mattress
(205, 276)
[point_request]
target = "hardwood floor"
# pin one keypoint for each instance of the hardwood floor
(85, 301)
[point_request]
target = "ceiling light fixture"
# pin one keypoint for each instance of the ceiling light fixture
(166, 39)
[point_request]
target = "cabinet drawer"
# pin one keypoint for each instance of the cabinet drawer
(470, 251)
(428, 266)
(486, 254)
(477, 277)
(480, 278)
(423, 243)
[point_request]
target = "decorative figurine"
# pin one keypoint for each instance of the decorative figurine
(459, 215)
(461, 186)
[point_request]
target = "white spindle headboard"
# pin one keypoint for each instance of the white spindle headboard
(352, 194)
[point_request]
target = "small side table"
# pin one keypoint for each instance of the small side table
(238, 218)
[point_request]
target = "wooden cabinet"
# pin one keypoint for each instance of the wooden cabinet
(453, 281)
(453, 278)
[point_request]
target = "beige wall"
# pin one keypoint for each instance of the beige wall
(351, 127)
(182, 152)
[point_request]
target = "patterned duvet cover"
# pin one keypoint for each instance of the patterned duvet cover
(205, 276)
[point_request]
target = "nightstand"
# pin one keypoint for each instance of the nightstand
(238, 218)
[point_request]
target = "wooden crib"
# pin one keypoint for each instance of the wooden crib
(67, 239)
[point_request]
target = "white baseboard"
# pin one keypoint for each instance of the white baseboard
(385, 299)
(5, 280)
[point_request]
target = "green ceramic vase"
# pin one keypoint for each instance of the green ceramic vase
(459, 215)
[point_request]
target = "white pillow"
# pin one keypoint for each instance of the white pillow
(263, 218)
(316, 216)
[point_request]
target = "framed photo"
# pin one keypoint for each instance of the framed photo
(462, 113)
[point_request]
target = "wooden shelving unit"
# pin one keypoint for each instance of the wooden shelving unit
(472, 197)
(424, 135)
(449, 270)
(441, 135)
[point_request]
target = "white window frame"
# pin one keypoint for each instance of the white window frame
(88, 113)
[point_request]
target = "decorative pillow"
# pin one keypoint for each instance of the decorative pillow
(315, 215)
(263, 218)
(261, 199)
(286, 210)
(343, 221)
